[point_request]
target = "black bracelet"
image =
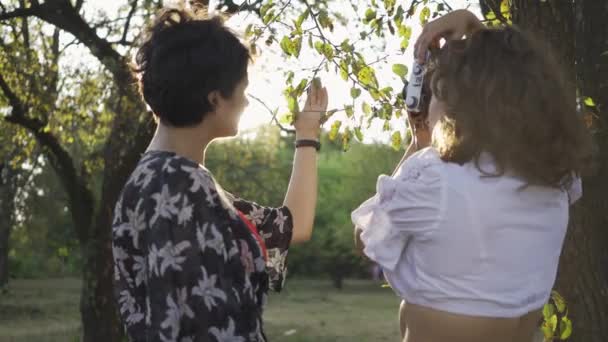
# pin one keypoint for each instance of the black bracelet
(308, 143)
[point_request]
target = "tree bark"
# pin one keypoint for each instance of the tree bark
(579, 35)
(130, 133)
(583, 276)
(7, 195)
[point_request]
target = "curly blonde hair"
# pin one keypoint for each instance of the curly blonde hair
(505, 94)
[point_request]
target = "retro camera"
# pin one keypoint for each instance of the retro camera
(416, 92)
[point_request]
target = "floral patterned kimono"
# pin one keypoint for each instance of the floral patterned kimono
(192, 262)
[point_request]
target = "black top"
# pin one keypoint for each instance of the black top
(187, 266)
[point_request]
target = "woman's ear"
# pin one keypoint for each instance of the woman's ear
(214, 98)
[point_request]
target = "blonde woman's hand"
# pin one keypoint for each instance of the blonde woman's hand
(452, 26)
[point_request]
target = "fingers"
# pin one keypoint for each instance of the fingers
(324, 98)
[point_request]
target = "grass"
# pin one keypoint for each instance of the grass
(306, 311)
(40, 310)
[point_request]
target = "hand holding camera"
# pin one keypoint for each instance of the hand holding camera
(417, 96)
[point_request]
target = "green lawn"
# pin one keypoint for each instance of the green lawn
(306, 311)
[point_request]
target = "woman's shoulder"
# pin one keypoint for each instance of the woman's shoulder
(425, 164)
(158, 169)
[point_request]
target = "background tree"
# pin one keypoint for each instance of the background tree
(577, 33)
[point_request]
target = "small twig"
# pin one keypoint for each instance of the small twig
(271, 21)
(445, 3)
(496, 9)
(128, 21)
(273, 113)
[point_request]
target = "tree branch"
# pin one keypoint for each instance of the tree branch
(80, 197)
(128, 21)
(64, 16)
(273, 113)
(20, 13)
(495, 8)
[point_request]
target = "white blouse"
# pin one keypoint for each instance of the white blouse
(449, 238)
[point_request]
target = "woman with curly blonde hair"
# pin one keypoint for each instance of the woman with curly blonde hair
(470, 227)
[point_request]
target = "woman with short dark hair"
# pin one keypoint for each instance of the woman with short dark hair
(192, 262)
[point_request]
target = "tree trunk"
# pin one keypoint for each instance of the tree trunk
(7, 207)
(97, 304)
(578, 32)
(583, 276)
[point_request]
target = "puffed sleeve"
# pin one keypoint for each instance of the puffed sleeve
(407, 205)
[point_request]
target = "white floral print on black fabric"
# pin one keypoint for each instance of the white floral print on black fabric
(187, 268)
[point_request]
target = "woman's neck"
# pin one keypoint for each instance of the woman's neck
(190, 142)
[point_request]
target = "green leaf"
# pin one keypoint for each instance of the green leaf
(548, 311)
(268, 17)
(287, 46)
(346, 136)
(405, 31)
(405, 42)
(325, 49)
(367, 76)
(325, 21)
(292, 105)
(396, 141)
(286, 119)
(63, 252)
(552, 322)
(248, 31)
(301, 87)
(389, 5)
(349, 111)
(400, 70)
(375, 94)
(297, 46)
(289, 78)
(376, 25)
(365, 107)
(547, 332)
(370, 14)
(303, 16)
(359, 134)
(505, 10)
(398, 18)
(355, 92)
(387, 125)
(267, 6)
(335, 128)
(328, 115)
(344, 70)
(319, 47)
(559, 301)
(589, 102)
(424, 15)
(565, 328)
(346, 46)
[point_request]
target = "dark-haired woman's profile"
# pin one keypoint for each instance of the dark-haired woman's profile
(192, 262)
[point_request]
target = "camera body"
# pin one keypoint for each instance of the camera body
(415, 92)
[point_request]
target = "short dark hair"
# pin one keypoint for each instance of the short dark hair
(182, 59)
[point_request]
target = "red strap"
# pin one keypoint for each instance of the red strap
(255, 233)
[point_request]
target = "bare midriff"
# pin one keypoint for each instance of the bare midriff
(423, 324)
